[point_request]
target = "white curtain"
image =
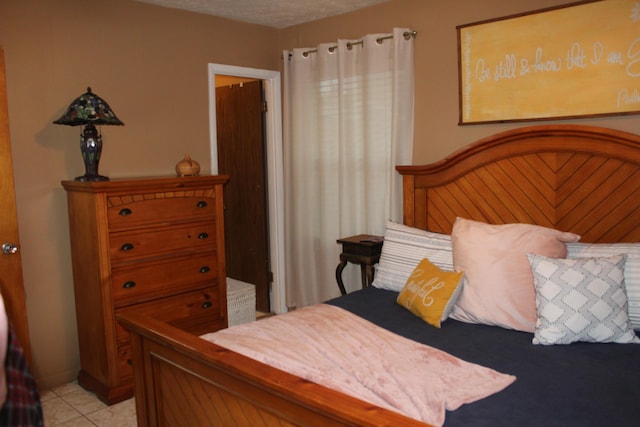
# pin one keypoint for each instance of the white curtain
(348, 120)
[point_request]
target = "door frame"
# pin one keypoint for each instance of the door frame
(275, 166)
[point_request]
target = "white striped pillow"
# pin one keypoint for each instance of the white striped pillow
(403, 249)
(631, 269)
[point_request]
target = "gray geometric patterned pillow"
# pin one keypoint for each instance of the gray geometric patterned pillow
(631, 269)
(581, 299)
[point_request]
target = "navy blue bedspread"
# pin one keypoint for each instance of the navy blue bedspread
(582, 384)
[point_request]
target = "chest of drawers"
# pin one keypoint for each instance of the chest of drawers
(154, 245)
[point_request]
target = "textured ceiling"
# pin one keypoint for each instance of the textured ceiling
(272, 13)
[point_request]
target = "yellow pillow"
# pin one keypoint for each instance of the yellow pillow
(430, 292)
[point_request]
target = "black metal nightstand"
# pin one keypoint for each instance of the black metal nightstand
(363, 249)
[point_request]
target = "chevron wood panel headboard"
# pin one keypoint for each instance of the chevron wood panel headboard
(582, 179)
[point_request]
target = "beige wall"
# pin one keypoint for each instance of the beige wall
(150, 64)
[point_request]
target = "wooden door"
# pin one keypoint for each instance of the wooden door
(242, 156)
(11, 284)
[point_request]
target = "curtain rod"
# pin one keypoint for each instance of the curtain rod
(407, 35)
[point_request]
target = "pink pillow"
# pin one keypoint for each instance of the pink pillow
(498, 288)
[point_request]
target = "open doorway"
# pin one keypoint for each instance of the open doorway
(274, 165)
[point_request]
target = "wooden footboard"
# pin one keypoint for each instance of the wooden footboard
(182, 380)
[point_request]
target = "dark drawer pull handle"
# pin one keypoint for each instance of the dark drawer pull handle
(125, 212)
(202, 204)
(129, 362)
(128, 285)
(205, 269)
(206, 304)
(126, 247)
(203, 236)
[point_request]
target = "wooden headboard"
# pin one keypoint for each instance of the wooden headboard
(582, 179)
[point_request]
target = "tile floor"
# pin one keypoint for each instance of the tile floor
(72, 406)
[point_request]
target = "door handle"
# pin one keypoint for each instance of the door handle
(9, 248)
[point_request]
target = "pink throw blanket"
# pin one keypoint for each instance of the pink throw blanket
(335, 348)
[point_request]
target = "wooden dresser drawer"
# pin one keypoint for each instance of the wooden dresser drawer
(141, 282)
(131, 211)
(197, 312)
(125, 367)
(123, 346)
(140, 244)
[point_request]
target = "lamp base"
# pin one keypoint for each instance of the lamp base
(91, 147)
(90, 178)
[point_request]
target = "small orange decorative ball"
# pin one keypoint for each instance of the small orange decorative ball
(187, 167)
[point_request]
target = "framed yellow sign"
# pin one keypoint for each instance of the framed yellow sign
(582, 59)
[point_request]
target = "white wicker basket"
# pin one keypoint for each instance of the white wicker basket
(241, 302)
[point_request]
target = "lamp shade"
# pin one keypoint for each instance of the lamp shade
(86, 109)
(89, 110)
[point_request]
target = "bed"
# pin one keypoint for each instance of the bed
(581, 179)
